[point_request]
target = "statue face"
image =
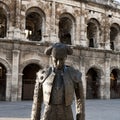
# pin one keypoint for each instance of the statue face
(58, 62)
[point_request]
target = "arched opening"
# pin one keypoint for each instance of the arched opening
(3, 23)
(93, 84)
(65, 28)
(28, 81)
(34, 24)
(115, 84)
(91, 42)
(114, 30)
(93, 33)
(2, 82)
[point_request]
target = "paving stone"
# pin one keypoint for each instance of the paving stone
(95, 110)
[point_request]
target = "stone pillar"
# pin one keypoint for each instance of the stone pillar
(102, 87)
(14, 31)
(15, 71)
(83, 33)
(53, 34)
(20, 86)
(106, 24)
(77, 42)
(107, 38)
(101, 43)
(82, 70)
(8, 86)
(17, 30)
(23, 27)
(107, 78)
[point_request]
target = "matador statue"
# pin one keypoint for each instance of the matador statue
(57, 87)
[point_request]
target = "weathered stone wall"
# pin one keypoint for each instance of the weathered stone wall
(17, 51)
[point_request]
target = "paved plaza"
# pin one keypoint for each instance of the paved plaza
(95, 110)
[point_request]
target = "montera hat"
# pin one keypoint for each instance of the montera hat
(59, 49)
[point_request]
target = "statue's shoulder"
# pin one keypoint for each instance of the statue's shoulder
(75, 74)
(42, 74)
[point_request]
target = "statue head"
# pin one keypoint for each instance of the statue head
(58, 52)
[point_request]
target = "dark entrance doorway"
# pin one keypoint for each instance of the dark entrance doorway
(29, 76)
(115, 83)
(2, 82)
(92, 91)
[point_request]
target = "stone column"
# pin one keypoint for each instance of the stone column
(107, 38)
(11, 18)
(82, 70)
(53, 34)
(101, 44)
(20, 86)
(8, 86)
(77, 42)
(106, 24)
(14, 30)
(83, 26)
(15, 71)
(107, 78)
(17, 30)
(102, 87)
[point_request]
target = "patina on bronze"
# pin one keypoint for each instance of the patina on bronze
(55, 87)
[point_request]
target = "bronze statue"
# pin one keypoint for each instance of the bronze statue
(55, 87)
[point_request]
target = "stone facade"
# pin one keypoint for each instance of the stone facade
(91, 27)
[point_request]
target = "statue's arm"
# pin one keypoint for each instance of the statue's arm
(37, 101)
(79, 93)
(80, 101)
(38, 93)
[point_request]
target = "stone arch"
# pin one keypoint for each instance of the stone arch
(114, 35)
(35, 24)
(115, 82)
(98, 68)
(93, 32)
(94, 76)
(22, 66)
(66, 31)
(114, 67)
(5, 69)
(29, 70)
(5, 8)
(4, 19)
(33, 4)
(28, 81)
(7, 65)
